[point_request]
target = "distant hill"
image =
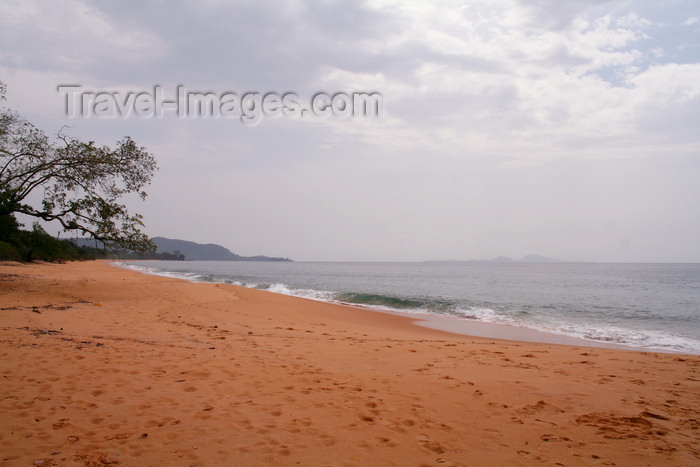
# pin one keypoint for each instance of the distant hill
(195, 251)
(205, 252)
(168, 248)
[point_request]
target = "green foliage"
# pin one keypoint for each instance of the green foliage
(81, 183)
(37, 245)
(8, 252)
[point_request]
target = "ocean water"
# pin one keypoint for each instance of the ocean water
(648, 306)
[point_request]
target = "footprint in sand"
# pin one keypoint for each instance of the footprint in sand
(433, 446)
(327, 440)
(386, 442)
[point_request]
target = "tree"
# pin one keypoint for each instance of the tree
(80, 183)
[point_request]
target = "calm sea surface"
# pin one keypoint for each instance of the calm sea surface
(654, 306)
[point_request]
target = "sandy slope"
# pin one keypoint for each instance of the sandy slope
(103, 366)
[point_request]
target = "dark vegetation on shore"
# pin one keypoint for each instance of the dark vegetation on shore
(17, 244)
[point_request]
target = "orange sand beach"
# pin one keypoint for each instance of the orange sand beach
(105, 366)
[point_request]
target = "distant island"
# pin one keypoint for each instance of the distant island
(180, 250)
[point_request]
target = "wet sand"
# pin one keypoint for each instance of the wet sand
(104, 366)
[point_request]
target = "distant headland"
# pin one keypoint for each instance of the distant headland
(205, 252)
(179, 250)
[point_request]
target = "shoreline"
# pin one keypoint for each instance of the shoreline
(103, 365)
(460, 326)
(501, 332)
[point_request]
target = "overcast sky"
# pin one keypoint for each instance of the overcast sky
(569, 129)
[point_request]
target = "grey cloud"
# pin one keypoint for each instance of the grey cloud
(253, 43)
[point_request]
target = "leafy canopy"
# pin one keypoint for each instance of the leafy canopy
(80, 184)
